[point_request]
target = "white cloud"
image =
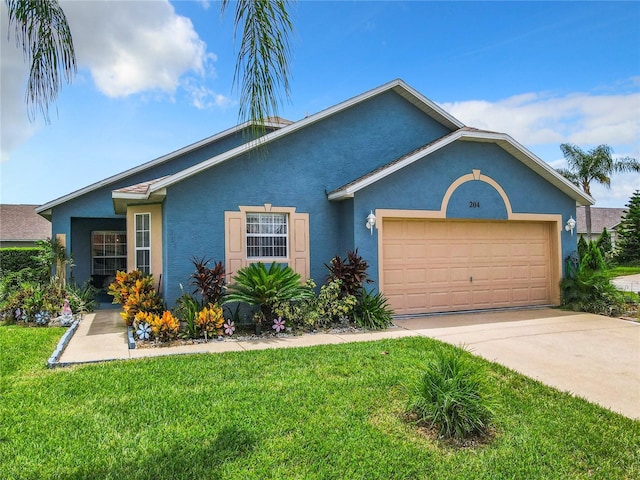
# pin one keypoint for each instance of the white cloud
(540, 118)
(127, 47)
(542, 121)
(135, 46)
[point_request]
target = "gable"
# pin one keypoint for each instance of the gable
(393, 117)
(515, 151)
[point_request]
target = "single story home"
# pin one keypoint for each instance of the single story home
(448, 217)
(601, 218)
(21, 226)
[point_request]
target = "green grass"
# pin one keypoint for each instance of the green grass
(320, 412)
(620, 271)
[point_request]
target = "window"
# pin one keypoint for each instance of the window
(143, 242)
(267, 235)
(108, 252)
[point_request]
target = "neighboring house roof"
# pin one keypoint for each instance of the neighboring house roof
(271, 122)
(460, 133)
(601, 218)
(467, 134)
(21, 223)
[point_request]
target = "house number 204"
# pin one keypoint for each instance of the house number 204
(473, 204)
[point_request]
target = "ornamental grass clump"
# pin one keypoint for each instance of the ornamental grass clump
(452, 397)
(372, 311)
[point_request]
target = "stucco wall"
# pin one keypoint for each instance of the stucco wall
(98, 203)
(295, 171)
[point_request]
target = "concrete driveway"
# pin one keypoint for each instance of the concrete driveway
(591, 356)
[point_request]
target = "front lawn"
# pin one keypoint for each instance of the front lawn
(320, 412)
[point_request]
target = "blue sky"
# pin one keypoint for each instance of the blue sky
(156, 76)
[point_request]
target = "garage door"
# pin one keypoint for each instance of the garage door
(447, 265)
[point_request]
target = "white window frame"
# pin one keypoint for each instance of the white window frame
(265, 230)
(116, 246)
(146, 269)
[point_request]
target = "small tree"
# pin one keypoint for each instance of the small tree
(604, 243)
(628, 245)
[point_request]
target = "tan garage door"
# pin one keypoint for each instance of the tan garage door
(447, 265)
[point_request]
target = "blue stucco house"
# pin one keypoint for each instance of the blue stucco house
(449, 217)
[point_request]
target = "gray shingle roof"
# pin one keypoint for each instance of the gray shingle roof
(22, 223)
(601, 218)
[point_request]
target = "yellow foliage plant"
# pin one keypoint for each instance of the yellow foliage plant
(210, 319)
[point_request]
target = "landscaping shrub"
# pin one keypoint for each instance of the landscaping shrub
(265, 288)
(209, 282)
(372, 311)
(330, 306)
(15, 259)
(165, 327)
(586, 286)
(187, 308)
(136, 293)
(351, 271)
(210, 320)
(452, 396)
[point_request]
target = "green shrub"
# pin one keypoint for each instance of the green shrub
(265, 288)
(452, 396)
(592, 258)
(14, 259)
(330, 306)
(587, 290)
(372, 311)
(187, 308)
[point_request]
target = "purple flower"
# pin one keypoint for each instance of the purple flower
(278, 325)
(17, 314)
(229, 328)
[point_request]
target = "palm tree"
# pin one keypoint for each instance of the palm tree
(595, 165)
(42, 30)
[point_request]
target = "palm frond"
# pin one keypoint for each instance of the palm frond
(262, 67)
(41, 29)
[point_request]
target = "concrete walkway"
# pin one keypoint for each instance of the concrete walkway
(591, 356)
(627, 283)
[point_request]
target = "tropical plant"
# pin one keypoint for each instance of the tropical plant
(122, 284)
(263, 57)
(136, 293)
(258, 286)
(372, 311)
(41, 29)
(165, 327)
(209, 282)
(586, 286)
(210, 320)
(452, 396)
(628, 244)
(351, 271)
(595, 165)
(82, 298)
(187, 308)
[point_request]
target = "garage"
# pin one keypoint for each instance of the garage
(438, 265)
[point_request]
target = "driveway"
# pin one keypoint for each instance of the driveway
(591, 356)
(627, 283)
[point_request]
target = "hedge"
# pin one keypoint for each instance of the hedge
(14, 259)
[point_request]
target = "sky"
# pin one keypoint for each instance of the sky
(155, 76)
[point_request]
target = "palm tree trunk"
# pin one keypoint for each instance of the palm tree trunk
(587, 214)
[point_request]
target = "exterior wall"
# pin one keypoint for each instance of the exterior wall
(98, 204)
(424, 185)
(295, 171)
(156, 237)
